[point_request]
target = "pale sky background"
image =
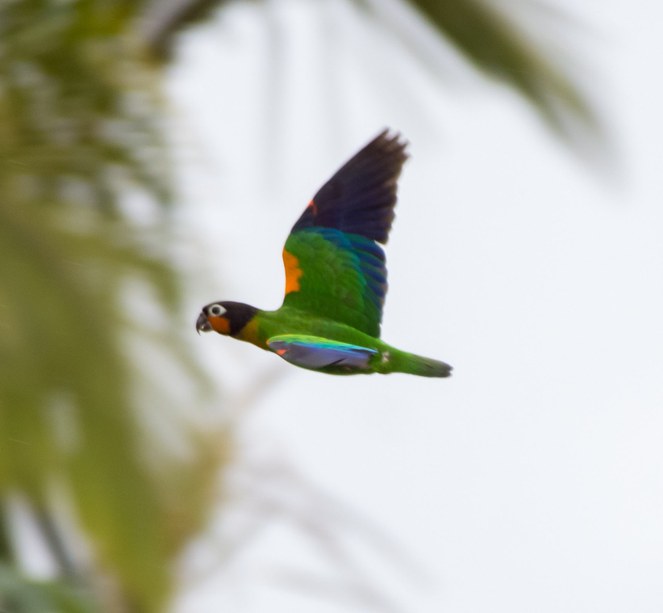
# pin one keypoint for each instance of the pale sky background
(532, 480)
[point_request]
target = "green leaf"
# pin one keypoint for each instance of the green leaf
(20, 595)
(84, 415)
(494, 42)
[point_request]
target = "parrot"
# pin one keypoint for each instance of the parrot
(335, 277)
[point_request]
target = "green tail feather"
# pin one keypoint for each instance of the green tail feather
(400, 361)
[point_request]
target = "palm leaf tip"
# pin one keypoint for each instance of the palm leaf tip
(494, 43)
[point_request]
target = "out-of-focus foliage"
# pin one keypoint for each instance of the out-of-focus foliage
(482, 30)
(18, 595)
(79, 138)
(77, 106)
(487, 36)
(88, 426)
(162, 21)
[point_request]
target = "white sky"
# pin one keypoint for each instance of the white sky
(532, 480)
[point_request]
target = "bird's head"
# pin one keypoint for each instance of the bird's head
(225, 317)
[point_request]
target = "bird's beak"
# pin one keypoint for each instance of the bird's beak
(202, 324)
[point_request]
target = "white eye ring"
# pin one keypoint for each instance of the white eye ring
(217, 310)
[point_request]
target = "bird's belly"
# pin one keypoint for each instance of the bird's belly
(287, 320)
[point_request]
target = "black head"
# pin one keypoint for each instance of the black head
(225, 317)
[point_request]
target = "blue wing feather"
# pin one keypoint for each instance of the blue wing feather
(318, 353)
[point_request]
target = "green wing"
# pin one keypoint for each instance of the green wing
(336, 275)
(334, 266)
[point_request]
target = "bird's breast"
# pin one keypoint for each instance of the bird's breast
(251, 333)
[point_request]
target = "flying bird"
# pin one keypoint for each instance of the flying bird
(335, 277)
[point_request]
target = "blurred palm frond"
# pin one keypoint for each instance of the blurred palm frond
(483, 31)
(20, 595)
(86, 414)
(80, 145)
(494, 42)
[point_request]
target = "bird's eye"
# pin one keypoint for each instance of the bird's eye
(217, 310)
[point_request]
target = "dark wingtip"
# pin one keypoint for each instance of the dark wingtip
(360, 197)
(393, 141)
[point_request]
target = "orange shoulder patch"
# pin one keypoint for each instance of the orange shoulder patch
(292, 272)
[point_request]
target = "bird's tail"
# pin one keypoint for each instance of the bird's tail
(400, 361)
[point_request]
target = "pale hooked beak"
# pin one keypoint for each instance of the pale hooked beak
(202, 325)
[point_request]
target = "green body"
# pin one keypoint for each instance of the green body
(287, 320)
